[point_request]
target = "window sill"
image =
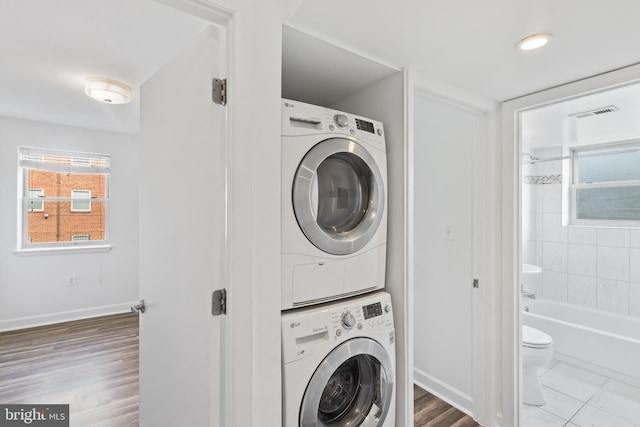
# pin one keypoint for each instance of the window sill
(628, 225)
(63, 250)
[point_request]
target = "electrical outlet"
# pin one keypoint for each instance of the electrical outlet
(72, 280)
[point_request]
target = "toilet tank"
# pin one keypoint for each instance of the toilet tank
(530, 277)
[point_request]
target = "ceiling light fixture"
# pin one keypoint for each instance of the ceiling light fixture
(534, 42)
(107, 90)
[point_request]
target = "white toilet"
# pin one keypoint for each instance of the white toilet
(537, 352)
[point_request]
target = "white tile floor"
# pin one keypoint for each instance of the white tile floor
(580, 398)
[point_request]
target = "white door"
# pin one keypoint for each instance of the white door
(443, 249)
(182, 207)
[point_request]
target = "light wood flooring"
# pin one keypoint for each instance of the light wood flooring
(91, 364)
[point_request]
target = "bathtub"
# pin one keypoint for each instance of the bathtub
(603, 342)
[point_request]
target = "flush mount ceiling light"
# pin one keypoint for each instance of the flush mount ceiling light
(534, 42)
(107, 90)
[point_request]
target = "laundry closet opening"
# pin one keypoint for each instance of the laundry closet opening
(343, 196)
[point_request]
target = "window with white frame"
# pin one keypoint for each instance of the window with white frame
(605, 185)
(64, 198)
(81, 205)
(36, 205)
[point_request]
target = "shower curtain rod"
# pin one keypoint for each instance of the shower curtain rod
(575, 156)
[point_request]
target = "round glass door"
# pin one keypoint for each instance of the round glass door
(338, 196)
(356, 393)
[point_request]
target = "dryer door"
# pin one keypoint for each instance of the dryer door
(352, 386)
(338, 196)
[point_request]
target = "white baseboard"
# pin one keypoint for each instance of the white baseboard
(443, 391)
(65, 316)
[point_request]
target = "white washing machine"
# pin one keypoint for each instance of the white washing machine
(338, 364)
(334, 204)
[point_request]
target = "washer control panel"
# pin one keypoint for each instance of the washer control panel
(341, 120)
(348, 320)
(299, 118)
(308, 329)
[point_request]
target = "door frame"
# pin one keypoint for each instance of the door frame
(223, 19)
(511, 151)
(251, 264)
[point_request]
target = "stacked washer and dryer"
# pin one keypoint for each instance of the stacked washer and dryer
(338, 338)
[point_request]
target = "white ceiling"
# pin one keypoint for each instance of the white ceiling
(48, 48)
(470, 43)
(555, 125)
(307, 76)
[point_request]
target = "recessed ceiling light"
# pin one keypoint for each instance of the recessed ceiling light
(534, 42)
(107, 90)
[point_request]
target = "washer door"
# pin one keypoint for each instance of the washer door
(353, 386)
(338, 196)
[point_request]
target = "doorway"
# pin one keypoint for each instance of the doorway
(106, 281)
(557, 239)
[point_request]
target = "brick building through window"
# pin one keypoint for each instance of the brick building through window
(59, 221)
(65, 198)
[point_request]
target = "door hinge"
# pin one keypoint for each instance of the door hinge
(219, 302)
(219, 91)
(476, 283)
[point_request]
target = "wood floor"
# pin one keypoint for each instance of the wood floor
(92, 365)
(433, 412)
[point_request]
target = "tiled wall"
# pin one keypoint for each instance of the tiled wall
(596, 267)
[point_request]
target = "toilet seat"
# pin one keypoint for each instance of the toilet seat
(534, 338)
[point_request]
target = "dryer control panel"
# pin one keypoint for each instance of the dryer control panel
(299, 118)
(306, 330)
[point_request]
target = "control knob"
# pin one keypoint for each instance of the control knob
(348, 320)
(341, 120)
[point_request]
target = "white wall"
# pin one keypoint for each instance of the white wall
(384, 101)
(444, 135)
(33, 288)
(597, 267)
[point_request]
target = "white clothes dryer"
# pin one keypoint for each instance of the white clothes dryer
(338, 364)
(334, 204)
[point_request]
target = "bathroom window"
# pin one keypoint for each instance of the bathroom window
(605, 186)
(64, 199)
